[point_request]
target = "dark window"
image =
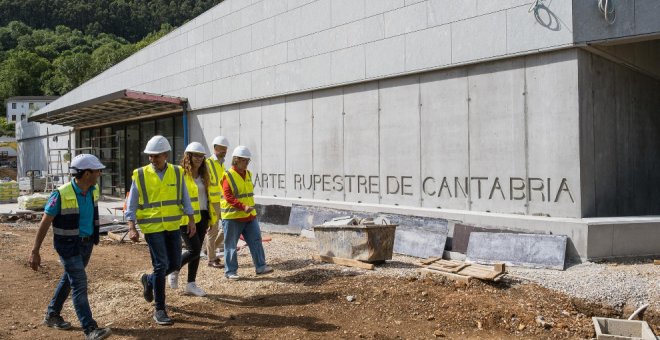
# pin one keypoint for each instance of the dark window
(22, 117)
(13, 106)
(13, 118)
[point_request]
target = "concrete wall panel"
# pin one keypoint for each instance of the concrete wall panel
(250, 136)
(428, 48)
(399, 141)
(441, 12)
(348, 64)
(328, 144)
(381, 6)
(552, 133)
(361, 148)
(549, 26)
(497, 135)
(273, 149)
(405, 20)
(481, 37)
(299, 139)
(230, 121)
(444, 136)
(345, 11)
(385, 57)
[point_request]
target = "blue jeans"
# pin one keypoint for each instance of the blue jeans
(252, 235)
(75, 279)
(165, 249)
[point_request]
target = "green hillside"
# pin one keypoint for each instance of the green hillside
(51, 47)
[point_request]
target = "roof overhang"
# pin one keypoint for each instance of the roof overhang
(112, 108)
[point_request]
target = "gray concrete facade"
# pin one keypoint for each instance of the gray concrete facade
(479, 137)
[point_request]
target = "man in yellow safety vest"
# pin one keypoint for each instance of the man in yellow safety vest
(156, 203)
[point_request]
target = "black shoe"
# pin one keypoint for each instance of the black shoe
(161, 318)
(98, 334)
(148, 291)
(56, 321)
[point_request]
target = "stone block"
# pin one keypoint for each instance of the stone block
(428, 48)
(406, 19)
(441, 12)
(348, 64)
(479, 37)
(527, 250)
(345, 11)
(385, 57)
(381, 6)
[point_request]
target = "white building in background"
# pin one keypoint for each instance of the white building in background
(20, 107)
(533, 115)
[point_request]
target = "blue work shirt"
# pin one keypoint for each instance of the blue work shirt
(85, 206)
(134, 195)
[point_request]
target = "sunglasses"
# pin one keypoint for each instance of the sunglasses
(197, 155)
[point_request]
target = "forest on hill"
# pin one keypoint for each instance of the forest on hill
(49, 47)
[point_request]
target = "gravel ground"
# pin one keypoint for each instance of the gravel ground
(628, 284)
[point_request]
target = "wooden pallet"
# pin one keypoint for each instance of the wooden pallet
(343, 261)
(462, 271)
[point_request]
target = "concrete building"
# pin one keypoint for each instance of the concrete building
(533, 115)
(19, 108)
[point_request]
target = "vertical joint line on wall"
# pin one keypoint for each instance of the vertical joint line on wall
(343, 134)
(469, 165)
(526, 129)
(380, 195)
(312, 101)
(286, 187)
(419, 136)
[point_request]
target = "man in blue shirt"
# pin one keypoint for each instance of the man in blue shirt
(73, 211)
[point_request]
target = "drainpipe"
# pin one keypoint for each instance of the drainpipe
(185, 124)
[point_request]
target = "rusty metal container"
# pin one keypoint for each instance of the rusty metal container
(368, 243)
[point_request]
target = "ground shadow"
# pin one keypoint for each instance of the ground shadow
(398, 265)
(310, 324)
(162, 333)
(293, 264)
(315, 276)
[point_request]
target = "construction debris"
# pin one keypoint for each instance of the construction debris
(656, 262)
(8, 191)
(35, 202)
(607, 328)
(462, 271)
(20, 217)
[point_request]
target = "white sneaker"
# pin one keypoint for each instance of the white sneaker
(192, 289)
(173, 279)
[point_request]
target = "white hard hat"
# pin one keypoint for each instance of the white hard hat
(85, 162)
(221, 140)
(242, 151)
(196, 148)
(157, 144)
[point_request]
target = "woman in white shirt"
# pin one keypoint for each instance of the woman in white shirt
(196, 175)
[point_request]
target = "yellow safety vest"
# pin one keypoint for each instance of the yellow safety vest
(67, 222)
(160, 203)
(243, 190)
(193, 192)
(216, 172)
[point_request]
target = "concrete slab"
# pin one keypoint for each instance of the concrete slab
(527, 250)
(461, 236)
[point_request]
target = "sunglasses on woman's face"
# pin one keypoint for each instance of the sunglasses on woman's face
(197, 155)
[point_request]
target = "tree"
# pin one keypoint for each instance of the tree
(21, 73)
(68, 72)
(7, 128)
